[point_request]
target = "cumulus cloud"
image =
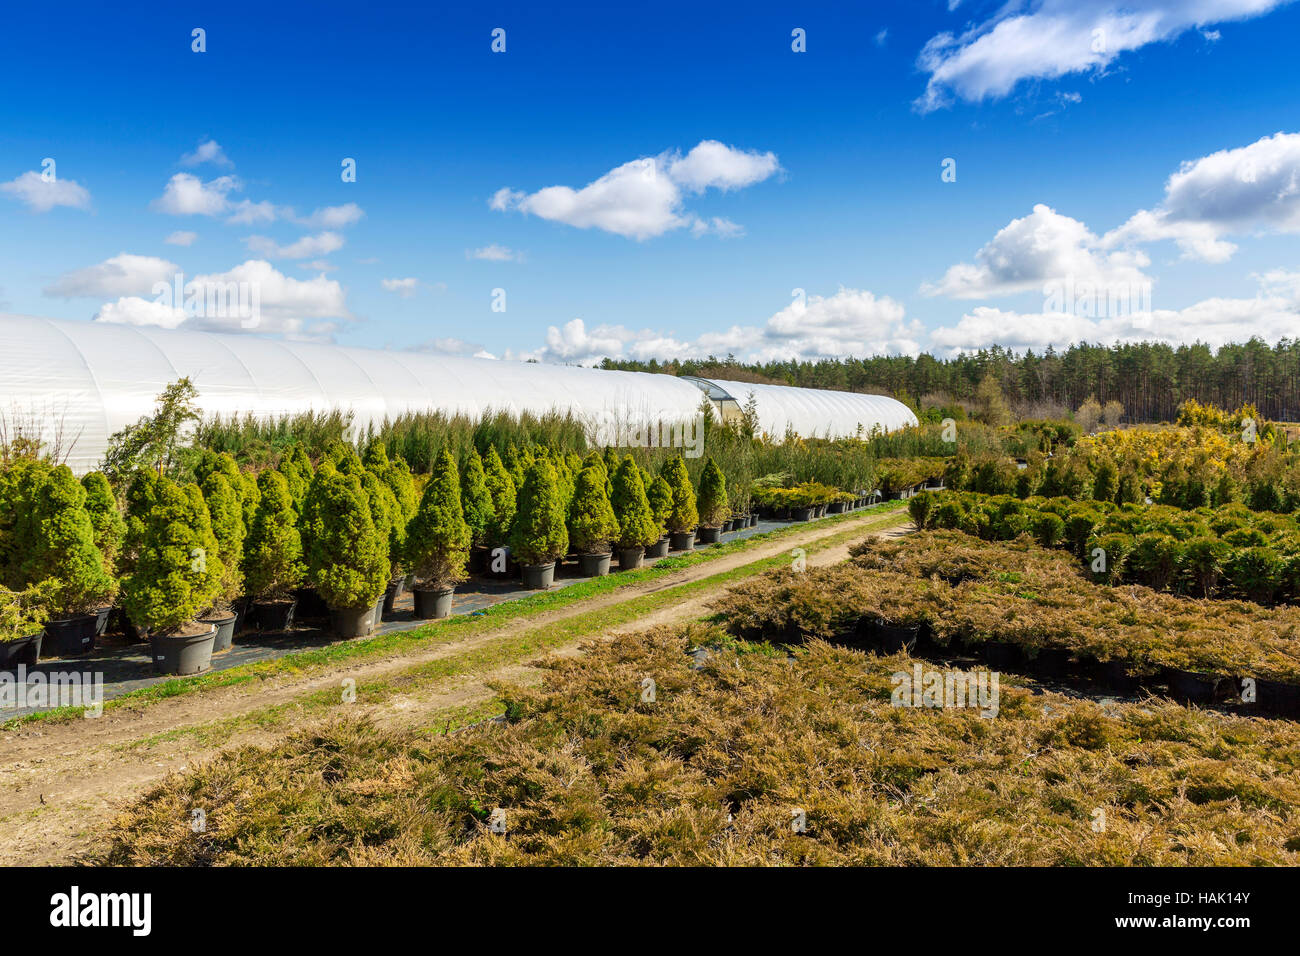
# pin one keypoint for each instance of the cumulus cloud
(495, 253)
(1233, 191)
(332, 217)
(122, 275)
(208, 151)
(181, 237)
(1048, 39)
(293, 308)
(41, 195)
(187, 195)
(305, 248)
(452, 346)
(403, 287)
(645, 197)
(1043, 247)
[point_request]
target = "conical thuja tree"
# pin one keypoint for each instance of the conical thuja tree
(636, 522)
(683, 516)
(713, 506)
(309, 518)
(504, 491)
(19, 483)
(539, 535)
(475, 498)
(592, 523)
(438, 538)
(140, 496)
(228, 529)
(273, 548)
(387, 516)
(58, 542)
(399, 479)
(660, 496)
(177, 573)
(348, 556)
(105, 518)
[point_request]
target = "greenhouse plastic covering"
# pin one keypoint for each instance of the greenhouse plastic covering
(79, 382)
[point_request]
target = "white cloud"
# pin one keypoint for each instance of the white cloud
(208, 151)
(1231, 191)
(181, 237)
(249, 213)
(495, 253)
(1047, 39)
(403, 287)
(333, 217)
(187, 195)
(288, 307)
(643, 198)
(124, 274)
(1043, 247)
(453, 346)
(305, 248)
(42, 195)
(317, 265)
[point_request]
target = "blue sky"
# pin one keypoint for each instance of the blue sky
(1142, 158)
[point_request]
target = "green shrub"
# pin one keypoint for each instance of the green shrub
(105, 519)
(684, 516)
(660, 495)
(501, 486)
(1154, 560)
(540, 535)
(476, 499)
(438, 538)
(140, 496)
(348, 556)
(273, 548)
(385, 513)
(1255, 573)
(713, 506)
(637, 526)
(177, 571)
(1048, 529)
(592, 523)
(1202, 564)
(23, 613)
(58, 543)
(1108, 566)
(227, 517)
(922, 507)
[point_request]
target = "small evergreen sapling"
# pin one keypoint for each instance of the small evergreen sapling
(273, 549)
(58, 542)
(660, 496)
(105, 518)
(592, 524)
(438, 539)
(348, 556)
(684, 516)
(476, 499)
(504, 491)
(713, 496)
(227, 516)
(637, 526)
(540, 535)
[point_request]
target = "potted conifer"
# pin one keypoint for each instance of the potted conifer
(637, 528)
(592, 524)
(713, 506)
(227, 516)
(109, 528)
(683, 518)
(347, 557)
(273, 555)
(22, 625)
(501, 486)
(56, 543)
(476, 503)
(177, 574)
(438, 541)
(540, 537)
(660, 496)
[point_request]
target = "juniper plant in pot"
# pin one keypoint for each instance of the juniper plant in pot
(177, 575)
(592, 524)
(22, 625)
(58, 543)
(438, 541)
(227, 516)
(273, 555)
(683, 518)
(540, 537)
(713, 507)
(660, 497)
(637, 528)
(347, 558)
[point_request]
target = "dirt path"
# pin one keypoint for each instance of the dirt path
(59, 783)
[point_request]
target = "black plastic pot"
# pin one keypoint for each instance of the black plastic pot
(1002, 655)
(479, 559)
(802, 514)
(391, 594)
(191, 654)
(659, 549)
(274, 615)
(350, 622)
(538, 577)
(630, 559)
(835, 508)
(70, 636)
(1119, 678)
(1275, 697)
(1050, 662)
(431, 603)
(242, 608)
(683, 540)
(377, 613)
(1193, 687)
(893, 638)
(753, 520)
(311, 606)
(594, 565)
(708, 535)
(225, 631)
(22, 650)
(101, 620)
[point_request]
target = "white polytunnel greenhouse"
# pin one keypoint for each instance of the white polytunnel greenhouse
(76, 383)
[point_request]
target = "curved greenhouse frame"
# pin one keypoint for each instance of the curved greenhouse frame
(79, 382)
